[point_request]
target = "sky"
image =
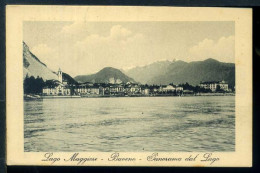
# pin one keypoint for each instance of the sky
(80, 48)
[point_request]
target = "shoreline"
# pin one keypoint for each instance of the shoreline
(35, 97)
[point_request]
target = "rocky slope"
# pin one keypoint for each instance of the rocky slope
(32, 66)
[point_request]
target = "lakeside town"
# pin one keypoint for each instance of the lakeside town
(62, 88)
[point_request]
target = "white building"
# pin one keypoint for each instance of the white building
(57, 90)
(58, 87)
(168, 88)
(145, 91)
(223, 85)
(213, 85)
(86, 90)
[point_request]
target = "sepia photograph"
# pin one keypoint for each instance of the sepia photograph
(129, 86)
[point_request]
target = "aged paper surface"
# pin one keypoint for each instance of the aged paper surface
(19, 154)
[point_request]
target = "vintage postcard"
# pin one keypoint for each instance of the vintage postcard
(129, 86)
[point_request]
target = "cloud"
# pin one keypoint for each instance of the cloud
(118, 31)
(74, 28)
(92, 52)
(73, 32)
(223, 49)
(120, 48)
(81, 49)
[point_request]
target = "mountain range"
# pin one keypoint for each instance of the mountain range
(178, 72)
(161, 72)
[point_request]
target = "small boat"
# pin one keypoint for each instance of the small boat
(31, 97)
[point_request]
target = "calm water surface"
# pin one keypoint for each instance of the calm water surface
(173, 124)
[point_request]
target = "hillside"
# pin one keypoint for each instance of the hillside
(32, 66)
(68, 78)
(106, 75)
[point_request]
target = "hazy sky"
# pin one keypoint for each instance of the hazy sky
(85, 48)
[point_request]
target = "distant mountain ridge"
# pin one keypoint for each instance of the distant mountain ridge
(145, 73)
(178, 72)
(106, 75)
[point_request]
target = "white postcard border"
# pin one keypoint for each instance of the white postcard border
(15, 15)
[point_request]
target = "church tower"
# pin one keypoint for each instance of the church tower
(60, 75)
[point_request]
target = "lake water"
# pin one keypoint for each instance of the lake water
(132, 124)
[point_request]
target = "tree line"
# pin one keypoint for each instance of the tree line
(33, 85)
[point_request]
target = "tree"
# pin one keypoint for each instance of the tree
(187, 86)
(32, 85)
